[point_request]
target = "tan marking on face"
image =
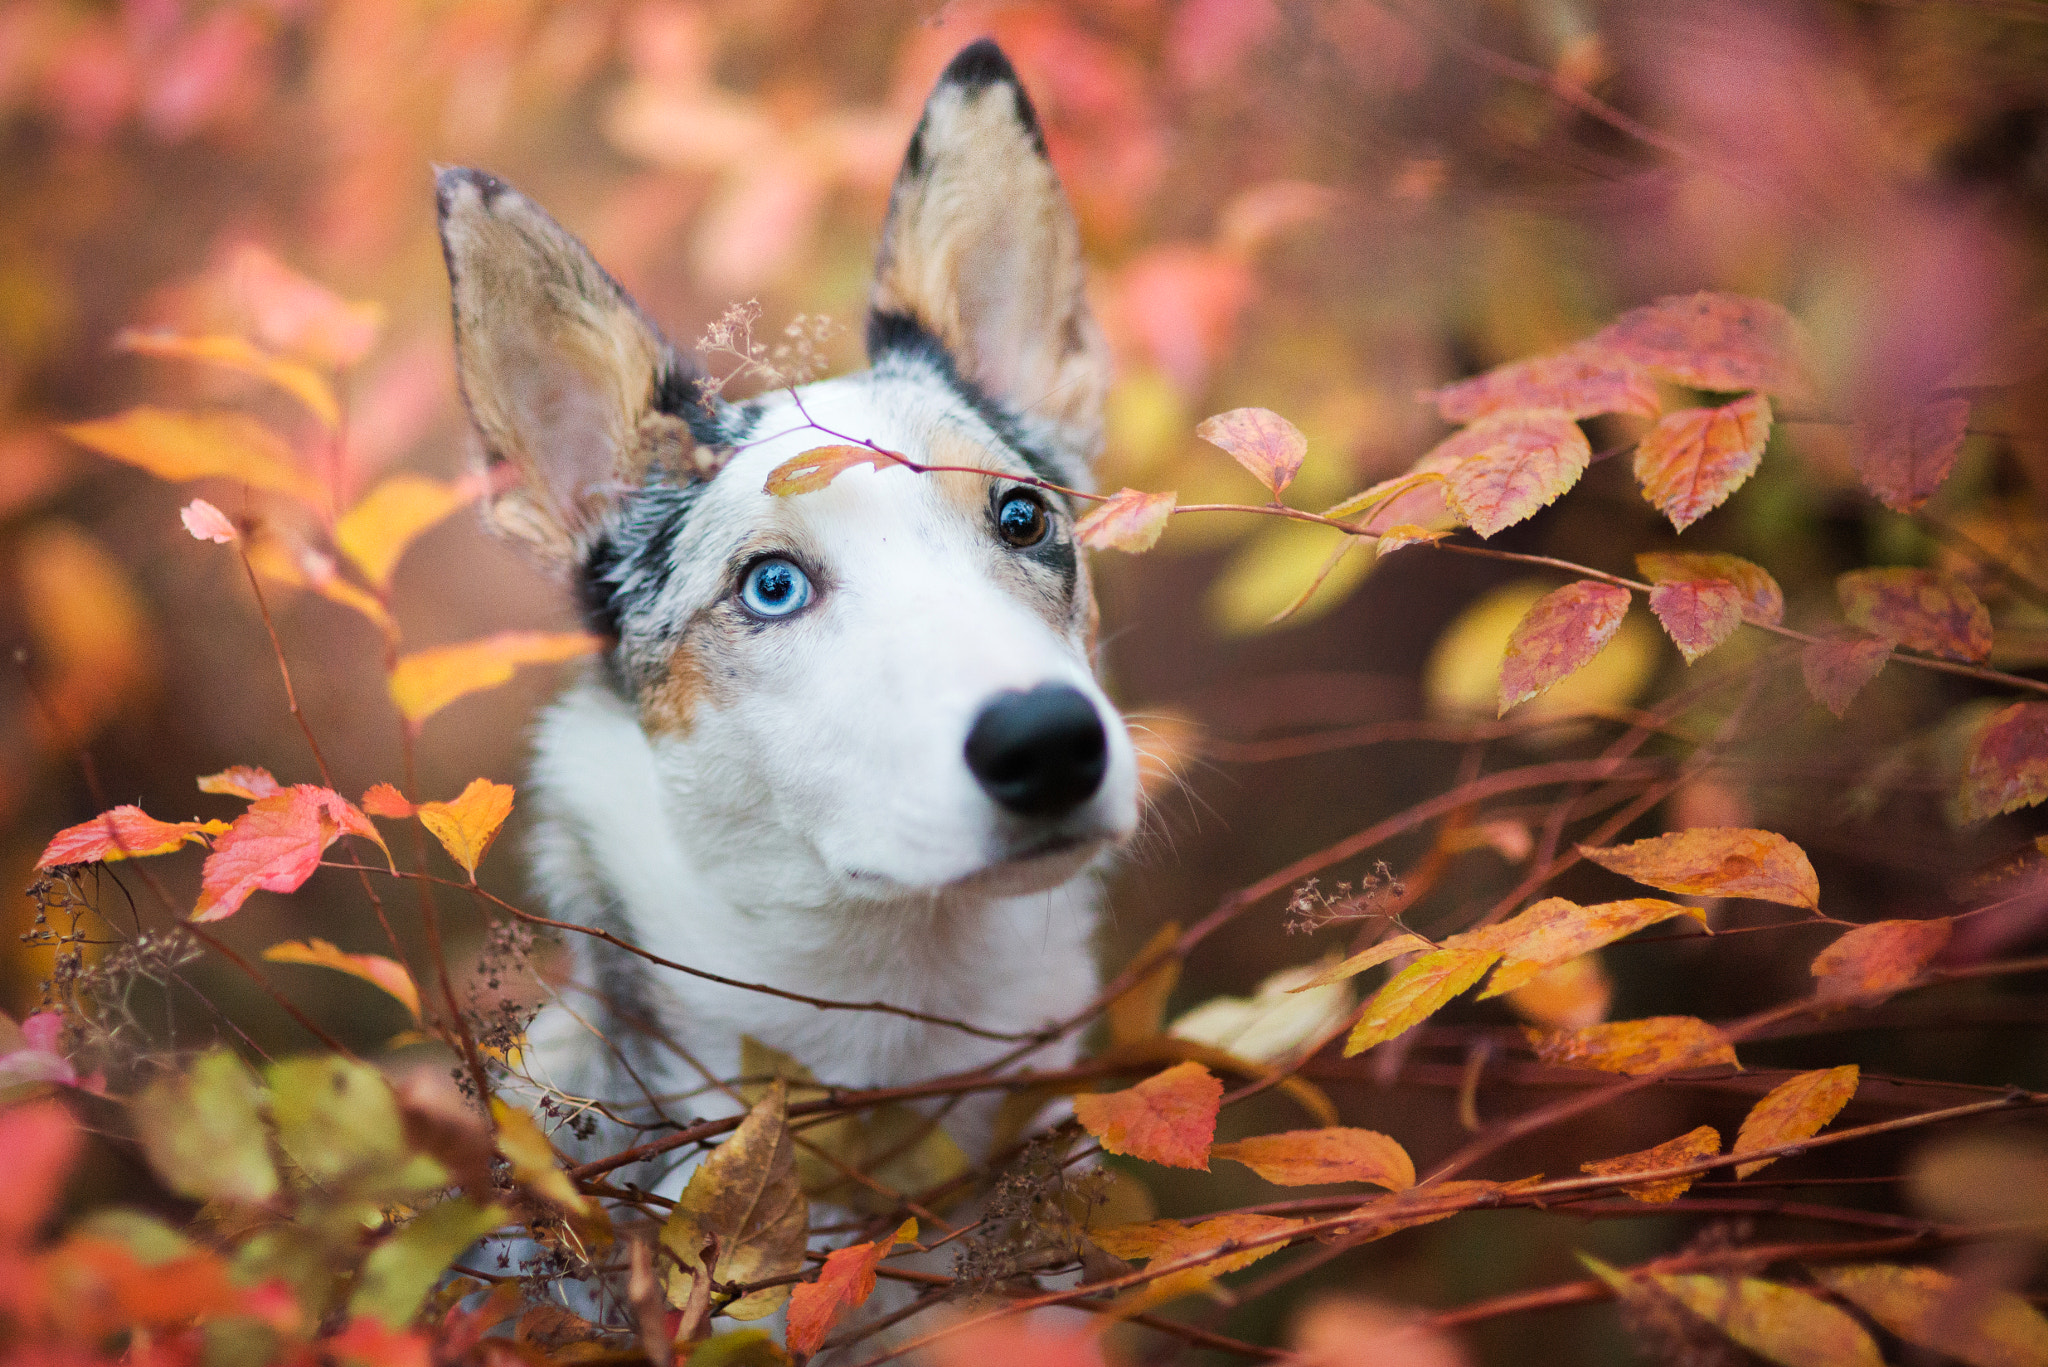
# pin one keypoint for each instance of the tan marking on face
(968, 493)
(668, 707)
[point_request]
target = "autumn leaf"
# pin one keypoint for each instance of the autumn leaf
(1692, 460)
(1407, 534)
(178, 446)
(401, 1270)
(1139, 1011)
(2008, 765)
(1651, 1045)
(41, 1142)
(1418, 992)
(1933, 612)
(1704, 1142)
(124, 832)
(1793, 1110)
(1571, 995)
(1131, 520)
(1563, 631)
(203, 1131)
(1169, 1118)
(1260, 440)
(241, 780)
(843, 1284)
(384, 800)
(1160, 1242)
(302, 382)
(467, 826)
(1511, 466)
(1555, 931)
(1837, 668)
(1304, 1158)
(376, 532)
(1371, 957)
(1721, 342)
(1871, 962)
(818, 467)
(1717, 861)
(743, 1200)
(302, 567)
(1981, 1325)
(387, 975)
(1762, 600)
(1791, 1327)
(1285, 1013)
(1904, 459)
(292, 312)
(1698, 614)
(1583, 381)
(275, 846)
(426, 681)
(207, 523)
(534, 1165)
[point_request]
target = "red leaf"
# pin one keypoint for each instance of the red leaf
(124, 832)
(1650, 1045)
(1838, 667)
(242, 780)
(2008, 766)
(1565, 629)
(384, 800)
(40, 1142)
(1260, 440)
(1510, 466)
(1583, 382)
(1721, 342)
(1698, 614)
(1170, 1118)
(275, 846)
(1130, 521)
(843, 1284)
(1933, 612)
(1692, 460)
(1872, 962)
(1762, 600)
(814, 469)
(1717, 861)
(1905, 459)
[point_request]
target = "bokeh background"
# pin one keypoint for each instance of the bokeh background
(1315, 206)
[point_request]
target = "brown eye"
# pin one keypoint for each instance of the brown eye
(1021, 520)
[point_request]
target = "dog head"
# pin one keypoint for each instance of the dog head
(884, 686)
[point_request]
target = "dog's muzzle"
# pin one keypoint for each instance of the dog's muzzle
(1040, 753)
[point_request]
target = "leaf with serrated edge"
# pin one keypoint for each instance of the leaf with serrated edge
(1703, 1142)
(1260, 440)
(426, 681)
(1418, 992)
(124, 832)
(1790, 1327)
(744, 1198)
(1904, 459)
(1935, 613)
(1562, 631)
(1555, 931)
(467, 825)
(1717, 861)
(386, 975)
(844, 1283)
(1981, 1325)
(1692, 460)
(1725, 343)
(1762, 599)
(1650, 1045)
(275, 846)
(1169, 1118)
(818, 467)
(1583, 381)
(1872, 962)
(179, 446)
(1697, 614)
(1130, 521)
(382, 799)
(1305, 1158)
(2008, 765)
(1837, 668)
(1513, 465)
(1793, 1110)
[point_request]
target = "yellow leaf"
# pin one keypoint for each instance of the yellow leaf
(387, 975)
(306, 568)
(302, 382)
(1170, 1241)
(376, 532)
(426, 681)
(1717, 861)
(1571, 996)
(88, 626)
(744, 1198)
(1980, 1325)
(1554, 931)
(533, 1158)
(1417, 992)
(1704, 1142)
(467, 826)
(1781, 1323)
(1650, 1045)
(814, 469)
(1265, 578)
(179, 446)
(1794, 1109)
(1302, 1158)
(1139, 1012)
(1282, 1015)
(1392, 947)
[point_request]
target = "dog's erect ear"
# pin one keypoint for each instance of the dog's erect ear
(981, 252)
(566, 380)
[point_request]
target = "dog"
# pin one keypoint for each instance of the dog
(848, 744)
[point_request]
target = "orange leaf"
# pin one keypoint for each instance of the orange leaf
(2008, 766)
(271, 556)
(124, 832)
(375, 533)
(241, 780)
(1721, 342)
(1872, 962)
(207, 523)
(814, 469)
(302, 382)
(1693, 459)
(1717, 861)
(275, 846)
(180, 446)
(1903, 460)
(1305, 1158)
(1130, 521)
(384, 800)
(1698, 614)
(1169, 1241)
(292, 313)
(1582, 382)
(1793, 1110)
(1650, 1045)
(1963, 1319)
(387, 975)
(843, 1284)
(1260, 440)
(1704, 1142)
(1559, 634)
(428, 680)
(1933, 612)
(1167, 1119)
(1555, 931)
(1762, 600)
(1417, 992)
(467, 826)
(1512, 465)
(1572, 994)
(1837, 668)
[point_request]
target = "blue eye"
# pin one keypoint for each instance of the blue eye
(775, 588)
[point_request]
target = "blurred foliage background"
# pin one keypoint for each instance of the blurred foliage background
(1315, 206)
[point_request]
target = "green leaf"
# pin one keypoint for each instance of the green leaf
(399, 1272)
(338, 1119)
(204, 1132)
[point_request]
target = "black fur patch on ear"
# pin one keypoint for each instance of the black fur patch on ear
(901, 337)
(982, 64)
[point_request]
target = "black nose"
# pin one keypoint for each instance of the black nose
(1039, 753)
